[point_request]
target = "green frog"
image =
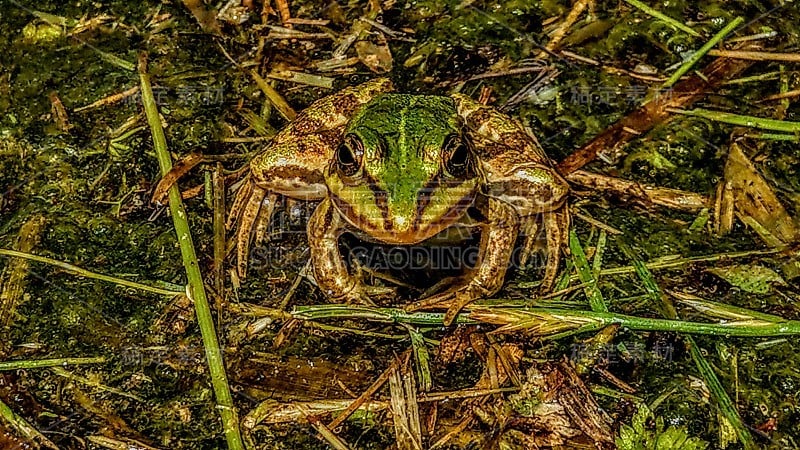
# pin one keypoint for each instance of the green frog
(400, 169)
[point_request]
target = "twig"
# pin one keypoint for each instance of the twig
(181, 168)
(14, 276)
(110, 100)
(218, 181)
(596, 223)
(335, 441)
(781, 96)
(283, 11)
(648, 195)
(756, 56)
(610, 69)
(366, 395)
(94, 383)
(302, 78)
(561, 31)
(654, 112)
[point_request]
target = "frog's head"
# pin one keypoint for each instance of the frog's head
(404, 170)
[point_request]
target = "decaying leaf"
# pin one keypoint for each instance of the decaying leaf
(553, 406)
(751, 278)
(377, 57)
(753, 197)
(405, 412)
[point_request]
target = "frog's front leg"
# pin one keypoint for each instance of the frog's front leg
(330, 271)
(518, 172)
(498, 236)
(292, 164)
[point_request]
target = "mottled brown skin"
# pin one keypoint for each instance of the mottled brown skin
(513, 185)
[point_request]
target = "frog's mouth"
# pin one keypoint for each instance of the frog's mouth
(427, 221)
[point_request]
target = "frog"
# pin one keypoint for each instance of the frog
(399, 169)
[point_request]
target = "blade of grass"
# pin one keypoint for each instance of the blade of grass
(88, 274)
(775, 137)
(554, 319)
(783, 126)
(597, 260)
(390, 315)
(53, 362)
(723, 311)
(197, 292)
(679, 262)
(596, 300)
(662, 17)
(274, 97)
(724, 402)
(21, 426)
(593, 320)
(421, 359)
(726, 407)
(702, 51)
(660, 301)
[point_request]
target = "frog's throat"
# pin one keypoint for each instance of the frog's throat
(419, 230)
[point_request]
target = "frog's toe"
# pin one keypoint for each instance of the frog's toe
(261, 225)
(381, 292)
(557, 232)
(453, 299)
(529, 230)
(357, 296)
(443, 285)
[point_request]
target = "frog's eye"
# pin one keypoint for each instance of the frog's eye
(457, 157)
(349, 155)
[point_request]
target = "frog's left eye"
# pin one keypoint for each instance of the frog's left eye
(457, 156)
(349, 155)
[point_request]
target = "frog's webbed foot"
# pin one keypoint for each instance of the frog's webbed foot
(497, 243)
(555, 225)
(363, 293)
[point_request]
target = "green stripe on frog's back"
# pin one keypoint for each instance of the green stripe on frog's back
(404, 191)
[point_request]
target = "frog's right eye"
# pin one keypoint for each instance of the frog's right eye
(349, 155)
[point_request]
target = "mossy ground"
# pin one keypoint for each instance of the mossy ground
(95, 197)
